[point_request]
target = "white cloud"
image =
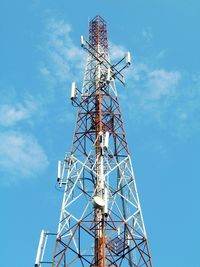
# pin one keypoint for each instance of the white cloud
(162, 82)
(11, 114)
(137, 72)
(116, 52)
(151, 84)
(64, 60)
(157, 95)
(21, 156)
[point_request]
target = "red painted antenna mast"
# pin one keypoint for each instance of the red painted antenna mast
(98, 34)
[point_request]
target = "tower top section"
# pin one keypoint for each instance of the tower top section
(98, 34)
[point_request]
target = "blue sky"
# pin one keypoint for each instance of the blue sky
(40, 56)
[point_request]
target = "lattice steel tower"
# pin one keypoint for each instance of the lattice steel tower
(101, 222)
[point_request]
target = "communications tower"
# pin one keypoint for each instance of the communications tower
(101, 222)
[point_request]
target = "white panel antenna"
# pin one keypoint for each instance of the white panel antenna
(106, 140)
(128, 58)
(106, 200)
(73, 91)
(59, 171)
(40, 249)
(108, 76)
(82, 41)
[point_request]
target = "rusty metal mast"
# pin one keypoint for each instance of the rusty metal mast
(101, 222)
